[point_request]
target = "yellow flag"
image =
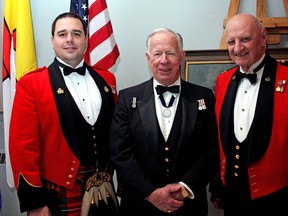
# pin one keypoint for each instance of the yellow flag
(19, 58)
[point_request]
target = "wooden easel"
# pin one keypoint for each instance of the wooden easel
(275, 26)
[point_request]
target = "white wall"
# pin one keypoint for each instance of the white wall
(199, 22)
(132, 22)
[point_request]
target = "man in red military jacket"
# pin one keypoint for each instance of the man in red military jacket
(252, 117)
(59, 130)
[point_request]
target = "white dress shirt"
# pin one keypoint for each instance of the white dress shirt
(85, 93)
(165, 123)
(245, 103)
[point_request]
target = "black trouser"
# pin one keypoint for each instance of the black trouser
(275, 204)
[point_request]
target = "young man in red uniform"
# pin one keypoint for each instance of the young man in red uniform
(59, 130)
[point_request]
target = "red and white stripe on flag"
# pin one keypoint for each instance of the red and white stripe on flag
(18, 59)
(102, 49)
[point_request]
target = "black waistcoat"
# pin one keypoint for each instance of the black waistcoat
(92, 140)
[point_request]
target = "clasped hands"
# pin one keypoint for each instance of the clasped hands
(168, 198)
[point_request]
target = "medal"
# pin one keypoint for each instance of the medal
(201, 104)
(281, 86)
(167, 113)
(134, 102)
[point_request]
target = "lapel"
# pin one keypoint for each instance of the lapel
(226, 113)
(262, 124)
(148, 117)
(63, 100)
(189, 108)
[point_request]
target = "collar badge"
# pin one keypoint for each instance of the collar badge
(60, 91)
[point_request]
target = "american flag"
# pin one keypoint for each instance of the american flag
(102, 51)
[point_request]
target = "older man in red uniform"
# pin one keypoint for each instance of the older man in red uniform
(252, 116)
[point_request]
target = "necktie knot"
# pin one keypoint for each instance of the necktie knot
(251, 77)
(68, 70)
(162, 89)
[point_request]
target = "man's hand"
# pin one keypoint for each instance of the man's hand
(166, 198)
(182, 194)
(218, 203)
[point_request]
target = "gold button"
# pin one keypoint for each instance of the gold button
(72, 169)
(68, 183)
(166, 149)
(70, 176)
(166, 159)
(236, 167)
(237, 147)
(74, 162)
(237, 156)
(236, 174)
(94, 137)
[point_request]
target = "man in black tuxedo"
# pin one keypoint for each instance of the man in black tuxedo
(163, 141)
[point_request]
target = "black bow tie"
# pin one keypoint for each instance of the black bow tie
(161, 89)
(68, 70)
(251, 77)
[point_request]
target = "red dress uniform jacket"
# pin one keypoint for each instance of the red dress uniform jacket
(267, 170)
(36, 135)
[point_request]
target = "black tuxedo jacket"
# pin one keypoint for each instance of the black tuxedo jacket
(137, 148)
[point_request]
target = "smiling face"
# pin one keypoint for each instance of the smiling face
(69, 41)
(246, 39)
(164, 57)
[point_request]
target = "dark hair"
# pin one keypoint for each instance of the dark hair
(68, 14)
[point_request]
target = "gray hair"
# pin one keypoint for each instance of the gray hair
(177, 35)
